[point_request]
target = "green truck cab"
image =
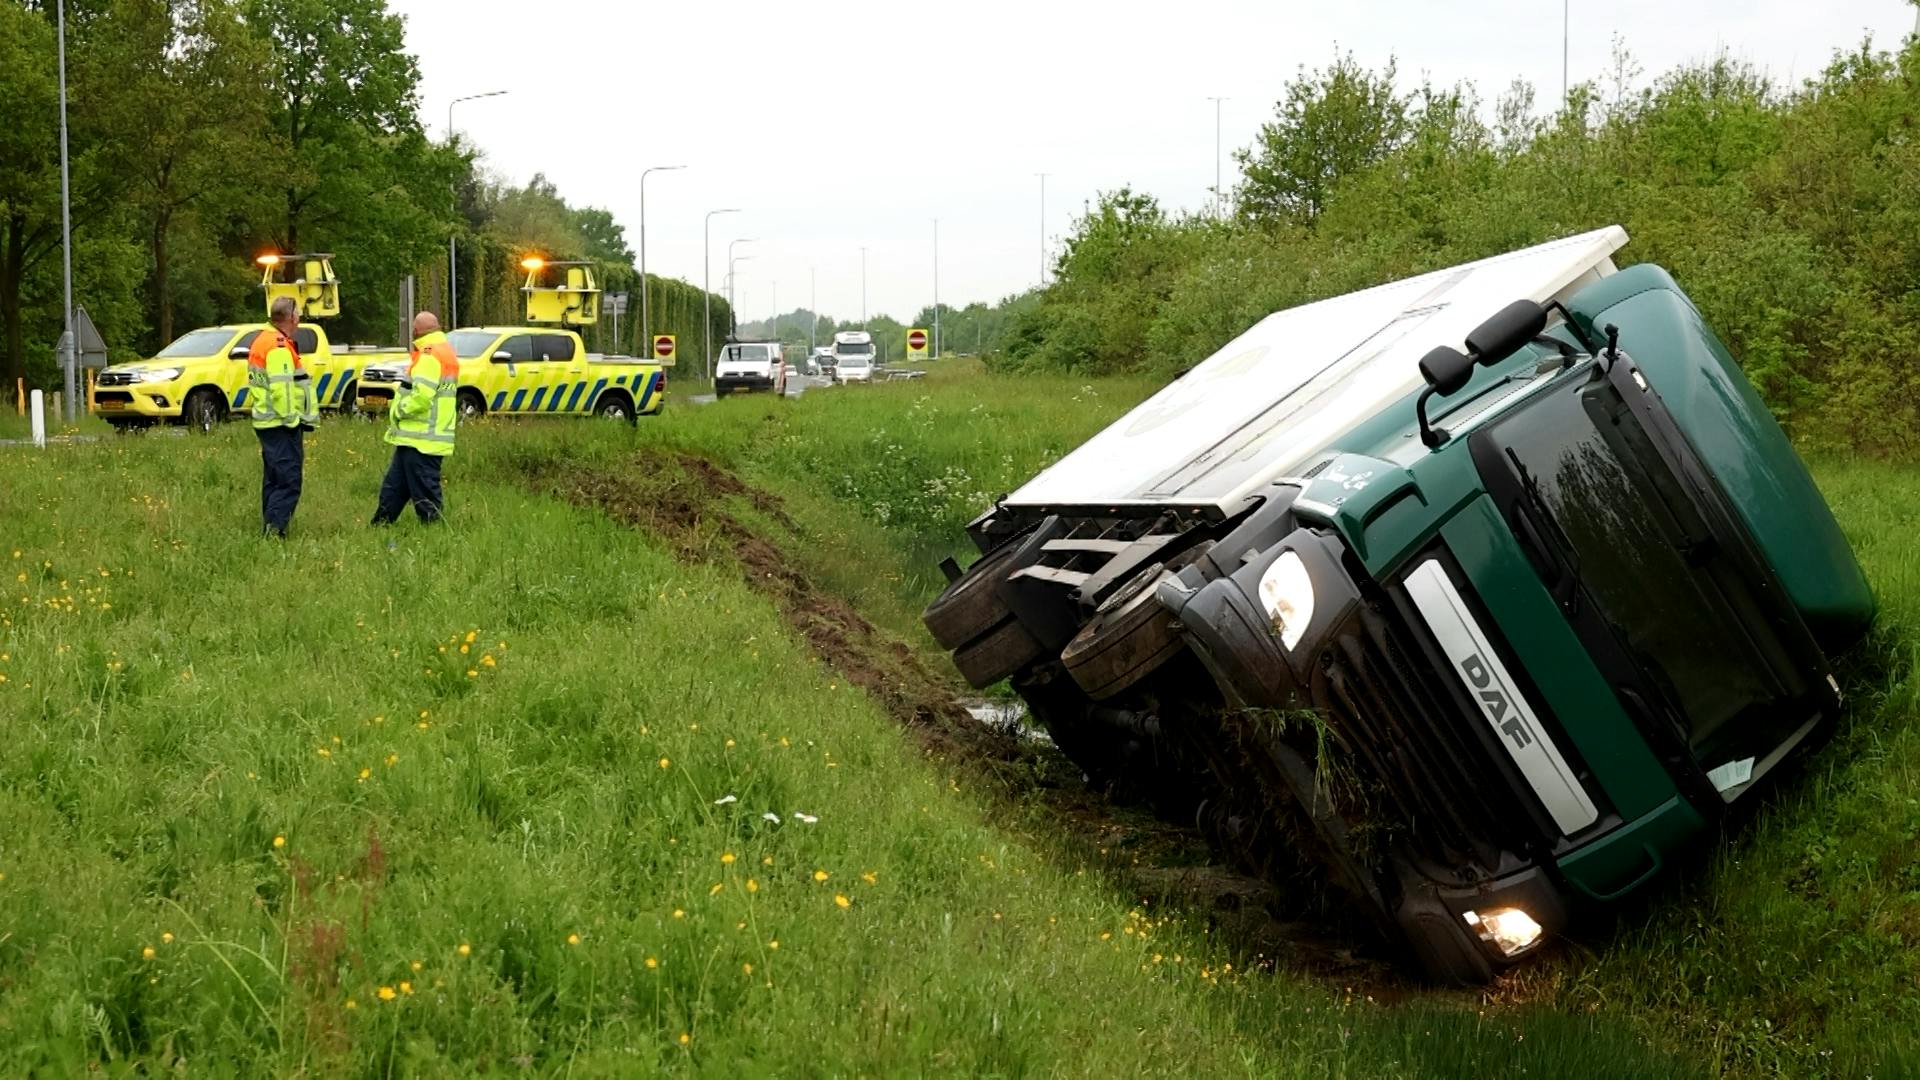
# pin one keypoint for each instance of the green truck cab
(1484, 592)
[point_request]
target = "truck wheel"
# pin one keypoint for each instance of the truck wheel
(472, 406)
(614, 407)
(997, 654)
(1129, 636)
(350, 401)
(970, 606)
(204, 410)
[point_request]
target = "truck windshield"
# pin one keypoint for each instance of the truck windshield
(468, 344)
(854, 349)
(195, 343)
(748, 354)
(1584, 481)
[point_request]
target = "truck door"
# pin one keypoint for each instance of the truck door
(511, 370)
(564, 373)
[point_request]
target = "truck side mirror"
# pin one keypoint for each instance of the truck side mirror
(1506, 333)
(1446, 369)
(239, 352)
(502, 356)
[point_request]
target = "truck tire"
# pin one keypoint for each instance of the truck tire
(970, 606)
(1000, 652)
(204, 410)
(1129, 636)
(614, 405)
(471, 405)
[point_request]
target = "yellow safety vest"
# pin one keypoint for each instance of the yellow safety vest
(424, 414)
(278, 383)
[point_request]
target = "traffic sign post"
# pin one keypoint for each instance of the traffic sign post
(616, 304)
(916, 344)
(663, 349)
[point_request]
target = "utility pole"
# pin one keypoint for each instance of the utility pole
(453, 238)
(1565, 5)
(1043, 229)
(813, 313)
(646, 328)
(706, 285)
(67, 342)
(863, 288)
(1219, 197)
(936, 288)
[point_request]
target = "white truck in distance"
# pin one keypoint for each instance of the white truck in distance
(852, 356)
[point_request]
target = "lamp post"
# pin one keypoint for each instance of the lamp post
(936, 288)
(706, 283)
(646, 330)
(1043, 229)
(733, 305)
(67, 342)
(863, 288)
(1219, 199)
(453, 239)
(813, 313)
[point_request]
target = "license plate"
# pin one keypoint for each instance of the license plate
(110, 404)
(377, 399)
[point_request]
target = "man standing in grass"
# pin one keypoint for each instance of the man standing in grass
(283, 410)
(420, 426)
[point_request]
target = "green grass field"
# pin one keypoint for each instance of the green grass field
(495, 796)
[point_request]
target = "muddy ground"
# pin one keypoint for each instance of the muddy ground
(687, 501)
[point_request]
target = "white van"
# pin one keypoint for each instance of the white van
(750, 365)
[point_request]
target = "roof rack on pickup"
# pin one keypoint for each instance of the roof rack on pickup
(306, 279)
(573, 303)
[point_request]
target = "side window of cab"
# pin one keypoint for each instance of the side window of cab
(552, 347)
(242, 346)
(517, 347)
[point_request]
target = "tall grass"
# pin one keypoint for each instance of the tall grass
(494, 796)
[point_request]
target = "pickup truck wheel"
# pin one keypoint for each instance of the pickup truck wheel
(350, 400)
(472, 406)
(614, 407)
(204, 410)
(970, 606)
(997, 654)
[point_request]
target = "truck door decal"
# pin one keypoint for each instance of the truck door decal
(1501, 703)
(537, 395)
(320, 392)
(647, 394)
(499, 398)
(553, 403)
(595, 396)
(239, 397)
(518, 396)
(574, 401)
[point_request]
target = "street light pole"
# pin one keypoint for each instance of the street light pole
(733, 313)
(863, 288)
(1219, 199)
(813, 313)
(453, 239)
(67, 342)
(706, 285)
(646, 331)
(936, 288)
(1043, 229)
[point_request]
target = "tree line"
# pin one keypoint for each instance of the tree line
(1788, 213)
(204, 132)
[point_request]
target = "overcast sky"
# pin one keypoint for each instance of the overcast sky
(816, 118)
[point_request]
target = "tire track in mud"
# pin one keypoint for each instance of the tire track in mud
(681, 498)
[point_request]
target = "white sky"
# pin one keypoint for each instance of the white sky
(812, 117)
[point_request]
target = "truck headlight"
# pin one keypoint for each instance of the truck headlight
(1286, 591)
(1508, 929)
(165, 374)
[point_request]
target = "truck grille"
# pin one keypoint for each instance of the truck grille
(1395, 717)
(114, 378)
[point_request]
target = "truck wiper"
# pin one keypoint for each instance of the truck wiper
(1535, 516)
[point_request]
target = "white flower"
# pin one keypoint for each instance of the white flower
(808, 818)
(771, 816)
(725, 801)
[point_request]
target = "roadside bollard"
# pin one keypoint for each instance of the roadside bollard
(38, 407)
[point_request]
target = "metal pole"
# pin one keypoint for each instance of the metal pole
(1219, 198)
(733, 307)
(936, 288)
(706, 286)
(1564, 5)
(863, 288)
(813, 313)
(1043, 229)
(646, 327)
(67, 342)
(453, 240)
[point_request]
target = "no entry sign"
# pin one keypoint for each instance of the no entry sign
(917, 342)
(663, 346)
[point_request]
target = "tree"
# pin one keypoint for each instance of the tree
(1330, 125)
(603, 239)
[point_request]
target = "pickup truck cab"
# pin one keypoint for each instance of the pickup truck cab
(523, 370)
(1488, 590)
(749, 366)
(201, 377)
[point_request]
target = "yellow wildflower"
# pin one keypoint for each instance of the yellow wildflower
(774, 945)
(279, 841)
(665, 762)
(727, 858)
(416, 965)
(465, 949)
(166, 938)
(146, 953)
(870, 878)
(472, 674)
(685, 1038)
(573, 939)
(392, 760)
(487, 660)
(679, 914)
(841, 899)
(406, 987)
(352, 1004)
(820, 875)
(752, 885)
(717, 886)
(652, 962)
(748, 968)
(386, 993)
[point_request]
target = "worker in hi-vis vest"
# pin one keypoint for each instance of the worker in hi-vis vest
(283, 410)
(420, 426)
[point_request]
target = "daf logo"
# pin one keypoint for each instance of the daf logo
(1494, 700)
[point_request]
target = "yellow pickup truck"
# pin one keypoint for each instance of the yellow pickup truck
(202, 376)
(522, 370)
(540, 368)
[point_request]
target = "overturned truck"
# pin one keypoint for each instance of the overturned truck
(1486, 591)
